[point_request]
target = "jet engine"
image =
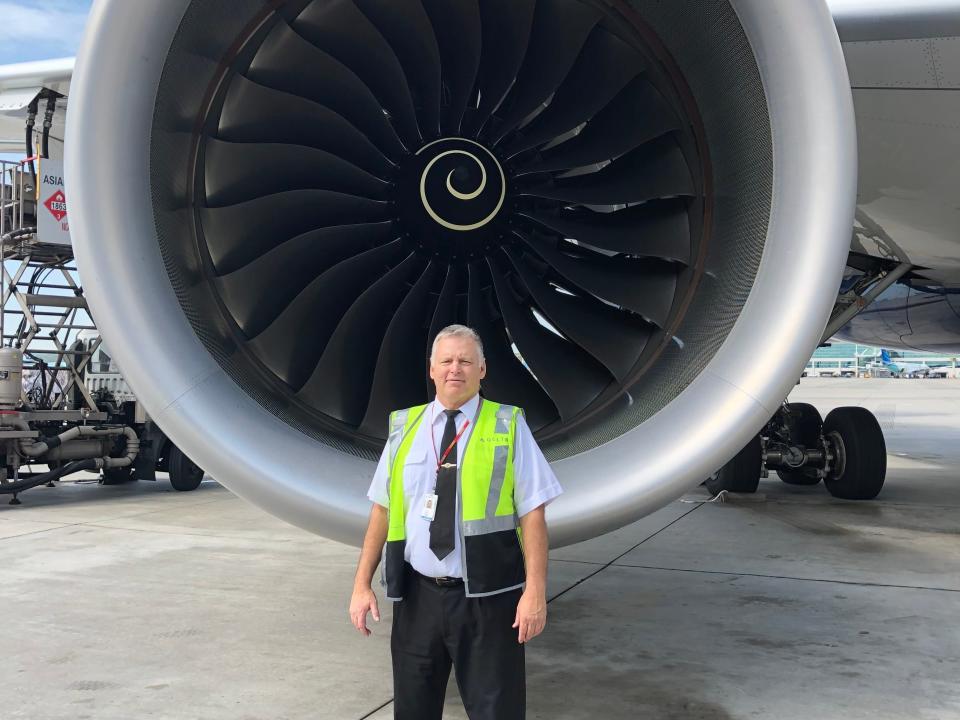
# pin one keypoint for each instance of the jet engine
(643, 208)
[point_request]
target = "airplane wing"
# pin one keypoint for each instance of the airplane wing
(19, 85)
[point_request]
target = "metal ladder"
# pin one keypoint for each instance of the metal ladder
(39, 290)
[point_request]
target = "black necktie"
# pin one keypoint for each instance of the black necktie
(442, 527)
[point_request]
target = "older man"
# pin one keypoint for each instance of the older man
(458, 500)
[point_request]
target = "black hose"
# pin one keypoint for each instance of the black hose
(47, 124)
(31, 121)
(43, 478)
(17, 234)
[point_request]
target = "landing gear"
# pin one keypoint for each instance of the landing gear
(846, 451)
(185, 475)
(859, 462)
(803, 423)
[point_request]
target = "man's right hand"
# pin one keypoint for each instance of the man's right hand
(364, 600)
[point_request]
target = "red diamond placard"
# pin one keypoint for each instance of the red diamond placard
(57, 205)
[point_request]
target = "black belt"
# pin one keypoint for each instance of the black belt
(441, 581)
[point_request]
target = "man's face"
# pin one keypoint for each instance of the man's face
(456, 370)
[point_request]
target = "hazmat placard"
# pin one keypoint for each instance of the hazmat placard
(53, 220)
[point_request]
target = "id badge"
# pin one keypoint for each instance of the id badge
(429, 510)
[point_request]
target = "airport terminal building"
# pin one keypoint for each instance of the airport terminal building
(842, 359)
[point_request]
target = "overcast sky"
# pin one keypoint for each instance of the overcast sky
(40, 29)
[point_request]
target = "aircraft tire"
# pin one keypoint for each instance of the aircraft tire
(860, 467)
(185, 475)
(742, 473)
(805, 427)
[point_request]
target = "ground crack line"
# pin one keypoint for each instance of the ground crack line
(784, 577)
(625, 552)
(376, 710)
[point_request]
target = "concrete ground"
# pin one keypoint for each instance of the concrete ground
(139, 602)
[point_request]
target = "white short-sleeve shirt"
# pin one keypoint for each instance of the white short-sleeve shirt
(534, 482)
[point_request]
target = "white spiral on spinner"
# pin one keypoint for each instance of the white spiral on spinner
(453, 191)
(466, 197)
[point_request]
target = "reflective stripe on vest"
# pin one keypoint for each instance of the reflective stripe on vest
(403, 426)
(491, 552)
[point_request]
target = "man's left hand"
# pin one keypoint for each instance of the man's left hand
(531, 615)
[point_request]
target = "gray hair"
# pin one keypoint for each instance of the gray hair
(460, 331)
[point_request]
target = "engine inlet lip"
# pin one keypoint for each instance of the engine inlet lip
(138, 307)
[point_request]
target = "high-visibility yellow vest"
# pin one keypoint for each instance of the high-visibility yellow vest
(491, 548)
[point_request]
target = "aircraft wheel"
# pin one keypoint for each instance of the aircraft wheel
(805, 425)
(185, 475)
(860, 463)
(742, 473)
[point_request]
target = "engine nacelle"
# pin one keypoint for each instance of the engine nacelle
(644, 208)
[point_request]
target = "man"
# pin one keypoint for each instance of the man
(458, 499)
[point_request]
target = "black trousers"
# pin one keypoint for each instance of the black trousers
(436, 627)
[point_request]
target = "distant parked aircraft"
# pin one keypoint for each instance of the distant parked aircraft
(902, 369)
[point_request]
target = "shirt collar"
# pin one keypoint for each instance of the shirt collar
(469, 409)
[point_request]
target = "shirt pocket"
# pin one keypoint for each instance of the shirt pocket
(416, 473)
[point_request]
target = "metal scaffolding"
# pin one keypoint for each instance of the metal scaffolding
(43, 307)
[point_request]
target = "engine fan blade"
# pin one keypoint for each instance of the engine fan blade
(238, 172)
(613, 337)
(458, 28)
(603, 69)
(257, 293)
(445, 312)
(646, 287)
(406, 26)
(571, 377)
(400, 377)
(237, 234)
(289, 63)
(507, 379)
(254, 113)
(506, 34)
(657, 169)
(341, 382)
(636, 116)
(292, 345)
(560, 29)
(658, 228)
(342, 30)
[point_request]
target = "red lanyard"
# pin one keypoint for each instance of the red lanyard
(433, 442)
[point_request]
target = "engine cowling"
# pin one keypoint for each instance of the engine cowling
(644, 209)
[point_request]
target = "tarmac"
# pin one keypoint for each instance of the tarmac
(136, 601)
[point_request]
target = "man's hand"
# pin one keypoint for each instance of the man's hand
(364, 600)
(531, 615)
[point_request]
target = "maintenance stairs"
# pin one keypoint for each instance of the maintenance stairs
(44, 311)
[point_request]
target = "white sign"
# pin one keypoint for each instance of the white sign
(53, 222)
